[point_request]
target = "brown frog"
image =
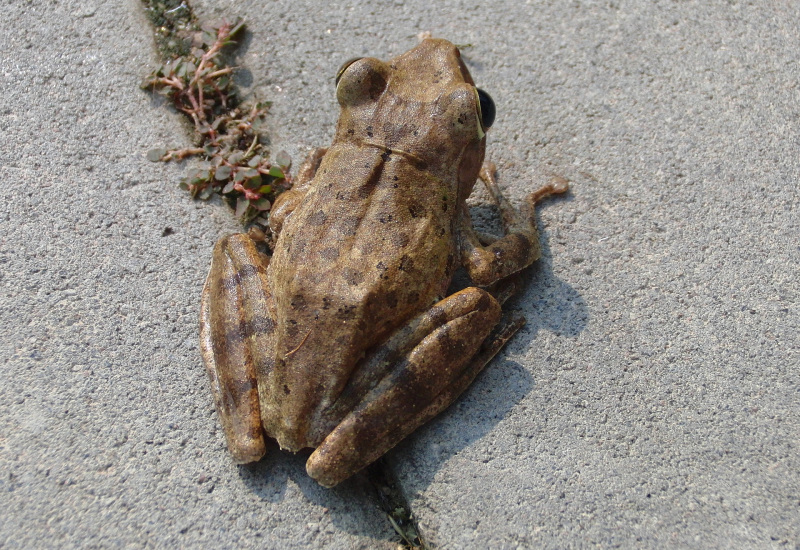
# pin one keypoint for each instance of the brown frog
(345, 339)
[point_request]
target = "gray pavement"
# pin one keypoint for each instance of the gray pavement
(651, 401)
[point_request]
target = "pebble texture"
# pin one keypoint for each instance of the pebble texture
(652, 399)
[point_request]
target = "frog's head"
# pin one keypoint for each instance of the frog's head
(422, 103)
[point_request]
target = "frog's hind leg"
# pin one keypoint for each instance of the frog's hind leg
(421, 370)
(234, 340)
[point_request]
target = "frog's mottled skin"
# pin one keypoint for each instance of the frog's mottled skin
(345, 340)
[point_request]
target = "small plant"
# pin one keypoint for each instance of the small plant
(199, 84)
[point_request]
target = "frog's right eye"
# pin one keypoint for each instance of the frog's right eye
(487, 108)
(344, 67)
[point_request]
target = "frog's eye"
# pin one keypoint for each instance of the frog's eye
(487, 108)
(344, 66)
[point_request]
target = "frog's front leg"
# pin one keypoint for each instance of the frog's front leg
(513, 252)
(412, 377)
(236, 327)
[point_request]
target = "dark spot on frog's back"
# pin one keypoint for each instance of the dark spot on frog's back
(245, 328)
(317, 218)
(298, 302)
(391, 299)
(329, 253)
(346, 313)
(399, 239)
(416, 210)
(406, 263)
(265, 366)
(259, 325)
(349, 226)
(353, 277)
(231, 283)
(248, 270)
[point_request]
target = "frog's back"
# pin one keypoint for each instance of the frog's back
(358, 258)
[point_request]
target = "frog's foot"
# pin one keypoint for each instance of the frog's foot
(415, 375)
(488, 260)
(231, 335)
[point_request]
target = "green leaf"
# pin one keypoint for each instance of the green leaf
(276, 172)
(217, 121)
(209, 38)
(236, 157)
(262, 204)
(235, 30)
(228, 187)
(206, 193)
(254, 182)
(255, 161)
(264, 189)
(222, 173)
(200, 175)
(241, 207)
(155, 155)
(239, 177)
(283, 160)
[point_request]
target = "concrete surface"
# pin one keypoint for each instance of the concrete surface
(652, 400)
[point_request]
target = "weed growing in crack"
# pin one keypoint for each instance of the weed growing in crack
(394, 505)
(198, 83)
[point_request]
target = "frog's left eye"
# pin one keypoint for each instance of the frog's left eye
(487, 108)
(344, 67)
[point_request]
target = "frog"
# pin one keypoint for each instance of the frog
(344, 339)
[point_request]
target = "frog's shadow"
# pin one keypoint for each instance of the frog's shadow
(352, 506)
